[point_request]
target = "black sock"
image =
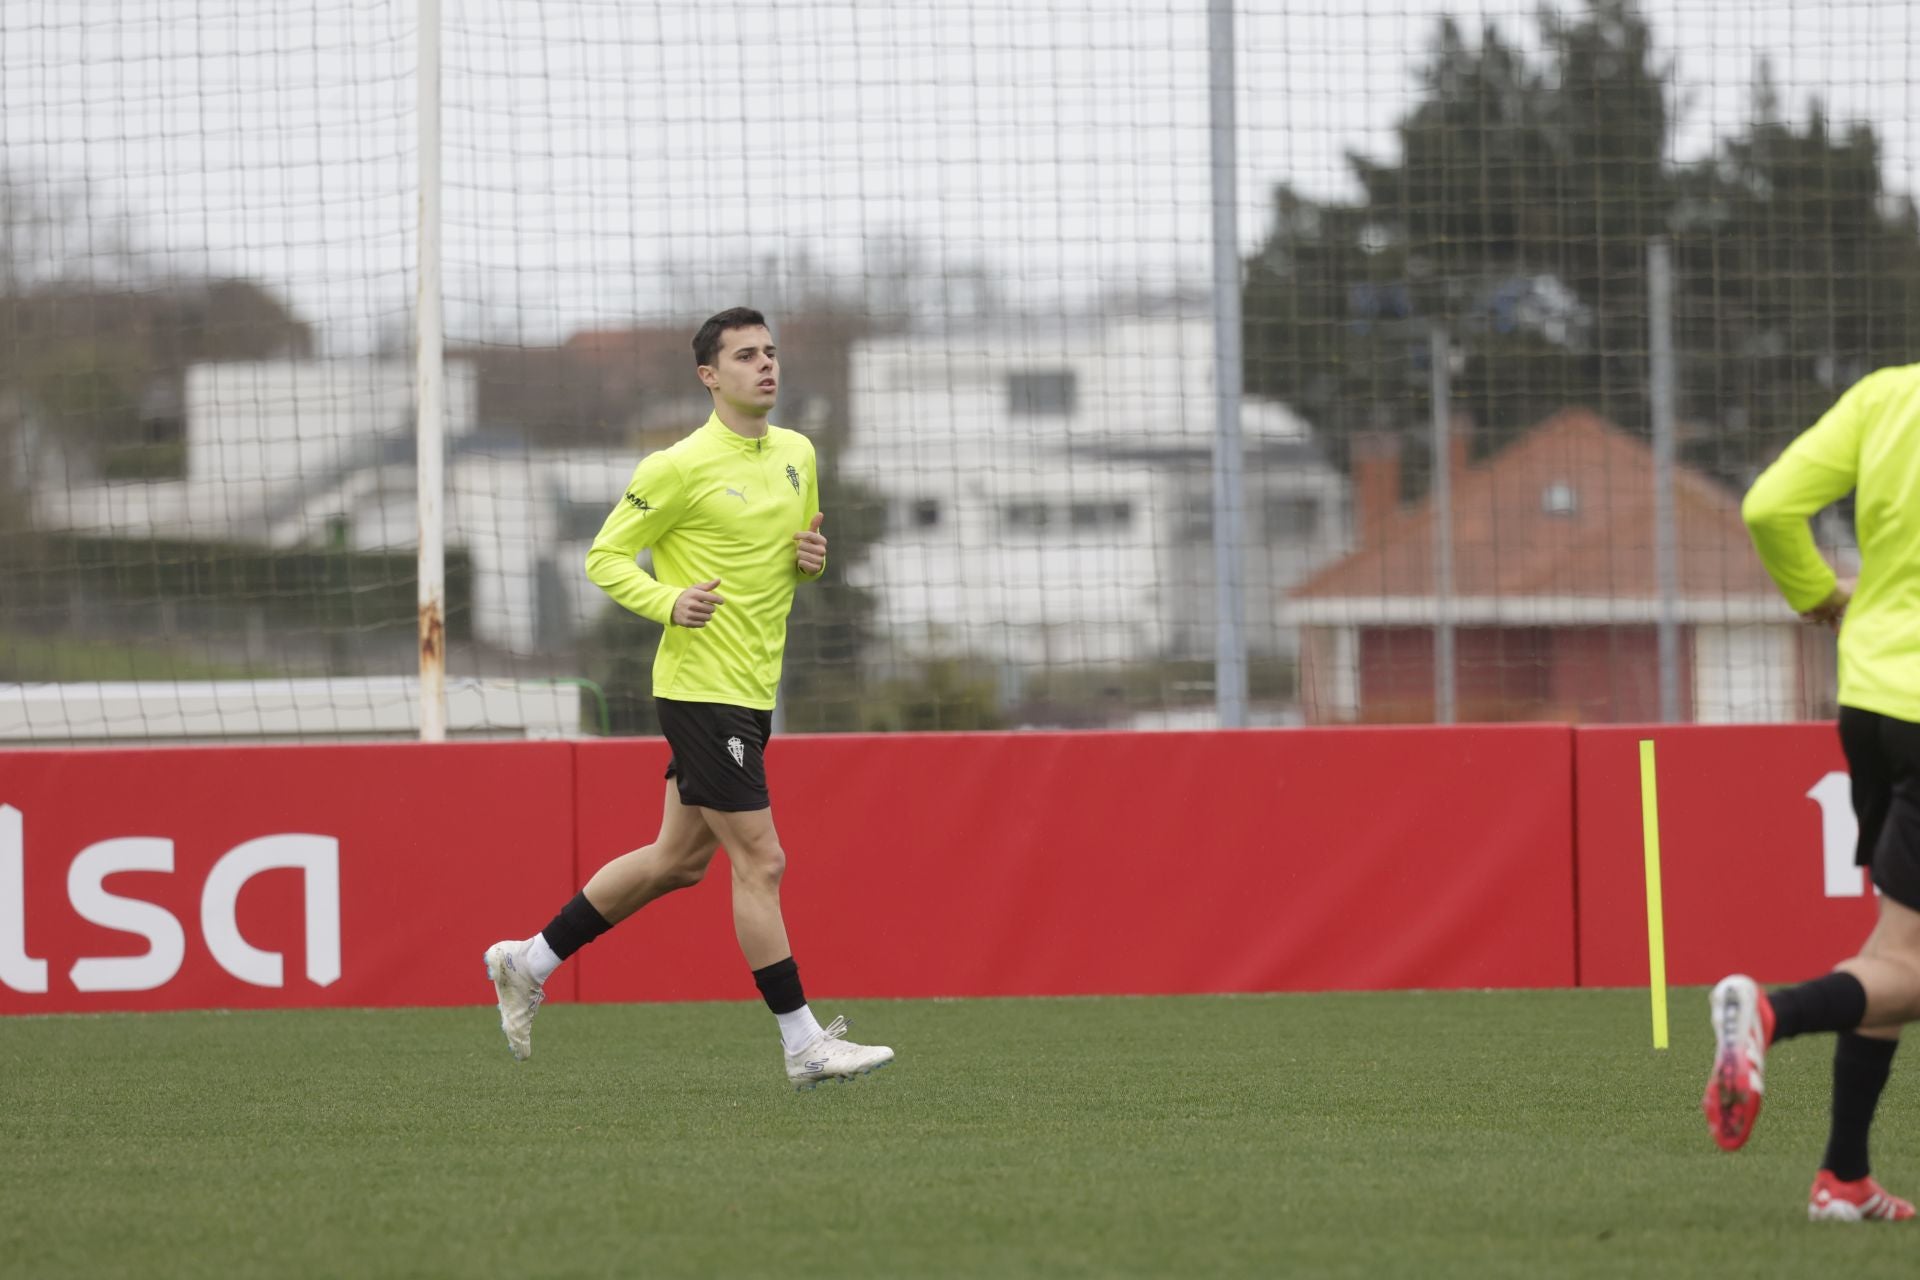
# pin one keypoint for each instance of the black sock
(779, 985)
(1836, 1002)
(1860, 1068)
(576, 925)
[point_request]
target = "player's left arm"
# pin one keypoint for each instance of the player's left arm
(1818, 468)
(810, 545)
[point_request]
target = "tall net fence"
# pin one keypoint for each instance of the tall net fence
(983, 232)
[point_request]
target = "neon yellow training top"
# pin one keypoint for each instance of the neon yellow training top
(714, 505)
(1869, 440)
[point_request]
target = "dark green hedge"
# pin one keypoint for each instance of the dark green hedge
(319, 588)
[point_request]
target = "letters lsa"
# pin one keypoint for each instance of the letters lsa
(318, 857)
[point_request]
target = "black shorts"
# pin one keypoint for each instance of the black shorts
(719, 753)
(1883, 756)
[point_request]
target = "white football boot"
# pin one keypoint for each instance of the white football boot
(520, 995)
(831, 1056)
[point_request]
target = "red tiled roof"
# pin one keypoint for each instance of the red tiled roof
(636, 344)
(1507, 543)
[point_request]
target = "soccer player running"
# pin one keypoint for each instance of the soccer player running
(732, 516)
(1869, 442)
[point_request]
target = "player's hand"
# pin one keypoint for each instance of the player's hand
(696, 604)
(1830, 611)
(811, 544)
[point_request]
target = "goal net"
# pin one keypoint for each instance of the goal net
(1499, 263)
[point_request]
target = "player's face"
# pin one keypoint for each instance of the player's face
(746, 372)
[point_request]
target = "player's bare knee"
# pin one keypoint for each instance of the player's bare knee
(762, 868)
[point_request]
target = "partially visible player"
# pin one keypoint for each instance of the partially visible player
(732, 516)
(1870, 443)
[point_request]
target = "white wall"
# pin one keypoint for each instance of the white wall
(979, 583)
(1746, 674)
(262, 439)
(342, 708)
(269, 423)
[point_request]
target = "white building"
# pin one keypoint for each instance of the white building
(321, 454)
(1048, 490)
(262, 438)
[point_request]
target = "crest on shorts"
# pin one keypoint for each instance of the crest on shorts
(738, 750)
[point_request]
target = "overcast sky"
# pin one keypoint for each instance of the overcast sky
(612, 158)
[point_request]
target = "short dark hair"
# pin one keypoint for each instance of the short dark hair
(706, 343)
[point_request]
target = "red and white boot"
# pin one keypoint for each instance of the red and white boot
(1742, 1029)
(1862, 1200)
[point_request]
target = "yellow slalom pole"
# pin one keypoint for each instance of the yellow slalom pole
(1656, 930)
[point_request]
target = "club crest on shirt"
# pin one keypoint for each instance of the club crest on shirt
(738, 750)
(793, 477)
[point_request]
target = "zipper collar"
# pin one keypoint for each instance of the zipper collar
(733, 439)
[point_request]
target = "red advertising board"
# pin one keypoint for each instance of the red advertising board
(1756, 843)
(273, 877)
(1035, 864)
(918, 866)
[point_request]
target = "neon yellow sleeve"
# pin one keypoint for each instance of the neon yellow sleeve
(652, 505)
(811, 510)
(1817, 469)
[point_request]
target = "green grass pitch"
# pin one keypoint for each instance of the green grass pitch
(1409, 1134)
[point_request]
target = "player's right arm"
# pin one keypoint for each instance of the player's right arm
(653, 504)
(1818, 468)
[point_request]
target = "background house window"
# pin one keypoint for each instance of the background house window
(1196, 523)
(1101, 515)
(1290, 517)
(581, 521)
(1024, 515)
(1043, 393)
(924, 513)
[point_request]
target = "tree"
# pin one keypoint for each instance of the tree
(42, 221)
(1799, 273)
(99, 351)
(1518, 213)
